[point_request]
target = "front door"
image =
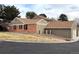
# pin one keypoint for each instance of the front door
(39, 31)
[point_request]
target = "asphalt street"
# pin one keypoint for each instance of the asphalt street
(7, 47)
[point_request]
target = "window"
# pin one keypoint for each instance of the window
(14, 27)
(25, 27)
(20, 26)
(48, 31)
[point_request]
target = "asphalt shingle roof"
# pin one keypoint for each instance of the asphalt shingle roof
(59, 24)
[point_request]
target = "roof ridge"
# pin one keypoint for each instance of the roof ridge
(21, 20)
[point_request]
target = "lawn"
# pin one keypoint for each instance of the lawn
(10, 36)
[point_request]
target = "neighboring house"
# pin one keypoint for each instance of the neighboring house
(3, 25)
(1, 20)
(27, 25)
(66, 29)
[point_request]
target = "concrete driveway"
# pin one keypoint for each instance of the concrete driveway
(38, 48)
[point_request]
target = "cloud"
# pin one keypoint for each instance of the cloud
(51, 10)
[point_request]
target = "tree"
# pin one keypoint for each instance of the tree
(30, 14)
(2, 11)
(42, 15)
(9, 13)
(63, 17)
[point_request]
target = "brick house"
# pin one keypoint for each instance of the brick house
(27, 25)
(67, 29)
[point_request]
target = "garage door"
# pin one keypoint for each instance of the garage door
(60, 32)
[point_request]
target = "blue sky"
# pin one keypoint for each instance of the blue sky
(51, 10)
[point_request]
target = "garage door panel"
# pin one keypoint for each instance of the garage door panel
(61, 32)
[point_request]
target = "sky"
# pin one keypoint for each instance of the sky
(51, 10)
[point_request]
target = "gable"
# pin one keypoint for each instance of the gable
(16, 21)
(42, 22)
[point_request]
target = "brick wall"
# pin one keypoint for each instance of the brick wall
(31, 28)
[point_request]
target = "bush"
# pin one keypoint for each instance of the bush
(67, 39)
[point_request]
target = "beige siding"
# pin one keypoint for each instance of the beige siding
(40, 29)
(41, 25)
(74, 30)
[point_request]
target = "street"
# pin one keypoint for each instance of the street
(38, 48)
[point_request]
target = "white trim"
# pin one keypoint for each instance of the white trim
(21, 21)
(18, 20)
(43, 23)
(39, 20)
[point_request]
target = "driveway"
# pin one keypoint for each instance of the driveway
(39, 48)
